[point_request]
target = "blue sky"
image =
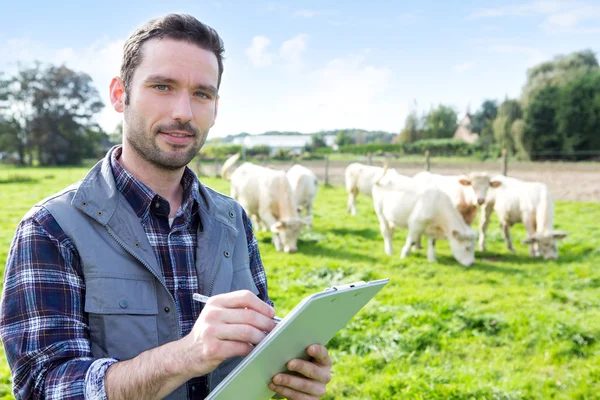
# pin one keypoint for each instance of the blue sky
(313, 65)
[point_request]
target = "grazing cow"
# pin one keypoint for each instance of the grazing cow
(359, 179)
(266, 195)
(527, 202)
(466, 192)
(425, 210)
(304, 188)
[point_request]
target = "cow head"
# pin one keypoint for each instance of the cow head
(476, 185)
(288, 230)
(462, 244)
(546, 243)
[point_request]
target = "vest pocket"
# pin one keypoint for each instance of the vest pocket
(122, 314)
(242, 279)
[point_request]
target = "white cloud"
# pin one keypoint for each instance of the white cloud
(292, 49)
(532, 56)
(258, 53)
(559, 16)
(464, 67)
(100, 60)
(306, 13)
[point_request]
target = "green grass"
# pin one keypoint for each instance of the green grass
(509, 327)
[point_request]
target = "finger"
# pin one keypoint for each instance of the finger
(310, 369)
(240, 333)
(320, 354)
(243, 299)
(247, 317)
(300, 385)
(290, 394)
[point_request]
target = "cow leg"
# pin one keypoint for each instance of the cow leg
(386, 232)
(351, 209)
(431, 250)
(418, 245)
(529, 223)
(505, 227)
(411, 239)
(484, 221)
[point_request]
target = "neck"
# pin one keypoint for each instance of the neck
(166, 183)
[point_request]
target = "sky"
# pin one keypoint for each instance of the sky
(308, 66)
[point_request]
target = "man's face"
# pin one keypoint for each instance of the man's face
(172, 102)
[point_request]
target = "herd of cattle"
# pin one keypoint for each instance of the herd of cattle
(430, 205)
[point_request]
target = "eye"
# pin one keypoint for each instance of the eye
(161, 88)
(202, 95)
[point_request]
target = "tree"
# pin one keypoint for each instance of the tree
(52, 111)
(411, 131)
(116, 137)
(541, 137)
(559, 72)
(508, 112)
(440, 123)
(343, 139)
(487, 112)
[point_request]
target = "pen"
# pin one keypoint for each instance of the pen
(203, 299)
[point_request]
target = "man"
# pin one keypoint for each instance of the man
(97, 300)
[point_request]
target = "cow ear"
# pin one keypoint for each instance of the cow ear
(307, 220)
(559, 234)
(529, 240)
(495, 184)
(464, 182)
(277, 226)
(456, 234)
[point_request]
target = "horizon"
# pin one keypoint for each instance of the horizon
(317, 66)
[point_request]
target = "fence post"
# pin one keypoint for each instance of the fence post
(370, 158)
(427, 163)
(326, 170)
(504, 162)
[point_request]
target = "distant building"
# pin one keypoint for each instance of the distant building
(292, 143)
(464, 133)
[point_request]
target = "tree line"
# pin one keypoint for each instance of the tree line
(556, 117)
(47, 116)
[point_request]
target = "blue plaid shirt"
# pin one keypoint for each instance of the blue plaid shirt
(43, 326)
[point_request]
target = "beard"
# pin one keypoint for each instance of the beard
(146, 146)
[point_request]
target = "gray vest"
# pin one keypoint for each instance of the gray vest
(129, 307)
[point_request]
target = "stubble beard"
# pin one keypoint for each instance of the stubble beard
(147, 148)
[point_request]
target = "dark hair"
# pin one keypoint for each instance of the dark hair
(173, 26)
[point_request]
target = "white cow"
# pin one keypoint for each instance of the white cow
(426, 210)
(467, 192)
(304, 188)
(359, 179)
(266, 195)
(527, 202)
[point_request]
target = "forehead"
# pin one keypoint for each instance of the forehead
(179, 60)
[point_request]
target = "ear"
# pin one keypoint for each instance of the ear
(277, 226)
(495, 184)
(117, 94)
(559, 234)
(530, 240)
(307, 220)
(464, 182)
(456, 234)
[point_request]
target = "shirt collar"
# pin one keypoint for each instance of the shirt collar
(141, 197)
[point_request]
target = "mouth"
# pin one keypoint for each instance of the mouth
(177, 137)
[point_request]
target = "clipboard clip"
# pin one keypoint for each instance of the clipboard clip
(346, 286)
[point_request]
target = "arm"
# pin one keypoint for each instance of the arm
(43, 325)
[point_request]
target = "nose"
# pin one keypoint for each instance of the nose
(182, 109)
(290, 249)
(480, 201)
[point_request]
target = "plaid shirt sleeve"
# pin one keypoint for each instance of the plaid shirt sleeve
(256, 265)
(43, 325)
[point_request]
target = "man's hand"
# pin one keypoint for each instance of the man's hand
(229, 325)
(312, 379)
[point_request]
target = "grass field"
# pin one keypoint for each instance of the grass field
(509, 327)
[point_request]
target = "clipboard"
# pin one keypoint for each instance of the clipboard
(316, 319)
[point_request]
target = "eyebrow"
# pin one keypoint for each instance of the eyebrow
(161, 79)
